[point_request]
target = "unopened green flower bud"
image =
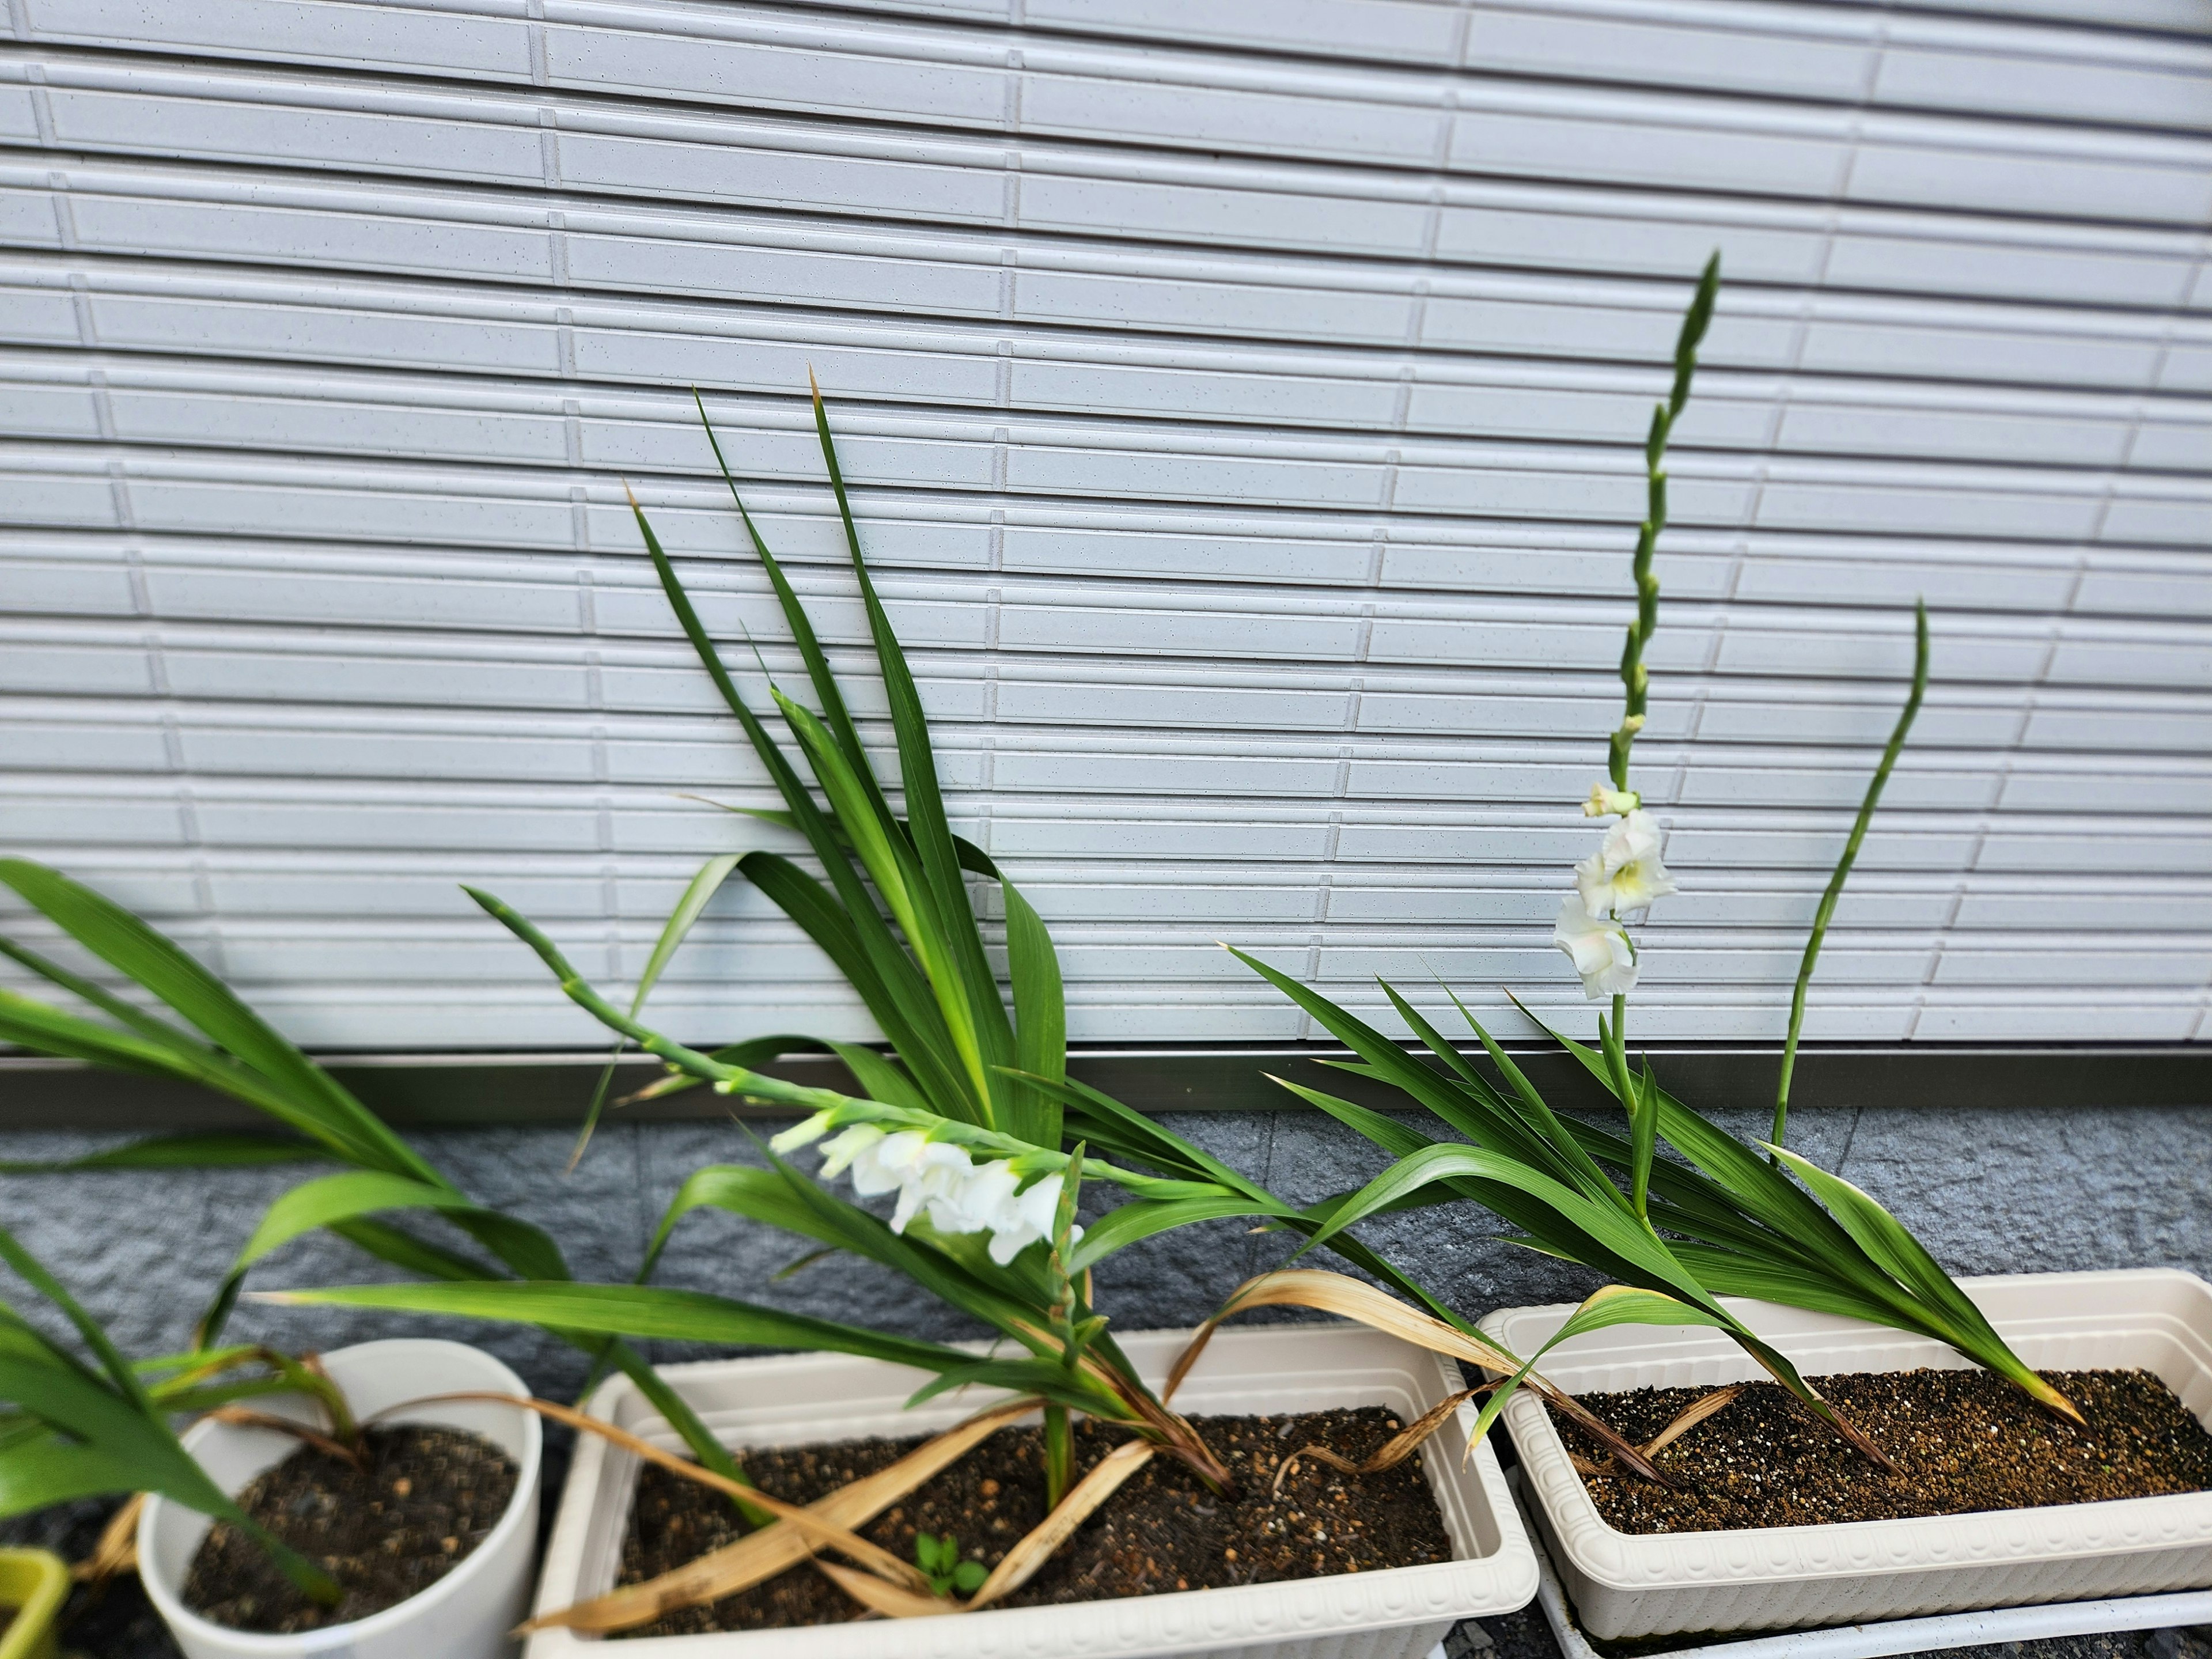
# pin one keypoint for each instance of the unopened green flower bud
(1606, 801)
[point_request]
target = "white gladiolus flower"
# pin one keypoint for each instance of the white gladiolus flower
(984, 1202)
(848, 1146)
(884, 1165)
(1599, 949)
(960, 1195)
(1033, 1213)
(1605, 801)
(1624, 874)
(939, 1173)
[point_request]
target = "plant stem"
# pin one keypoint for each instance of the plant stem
(1058, 1454)
(1827, 909)
(1635, 678)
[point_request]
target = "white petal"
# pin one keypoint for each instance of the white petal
(879, 1168)
(910, 1201)
(1598, 948)
(986, 1197)
(1039, 1207)
(841, 1150)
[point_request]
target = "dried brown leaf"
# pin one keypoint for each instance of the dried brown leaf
(760, 1556)
(1339, 1294)
(1020, 1564)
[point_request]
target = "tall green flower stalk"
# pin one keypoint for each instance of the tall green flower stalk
(1723, 1222)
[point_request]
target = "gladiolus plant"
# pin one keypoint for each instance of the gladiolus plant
(1726, 1220)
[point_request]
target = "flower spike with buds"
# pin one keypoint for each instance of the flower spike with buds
(1605, 802)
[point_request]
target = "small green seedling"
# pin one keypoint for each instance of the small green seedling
(940, 1562)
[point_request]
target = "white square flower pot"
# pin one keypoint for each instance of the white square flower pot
(1398, 1614)
(1637, 1585)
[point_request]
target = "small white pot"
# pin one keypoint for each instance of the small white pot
(1398, 1614)
(465, 1615)
(1628, 1586)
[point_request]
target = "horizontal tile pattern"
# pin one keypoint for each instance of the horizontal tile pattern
(1243, 405)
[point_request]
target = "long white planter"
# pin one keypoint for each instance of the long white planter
(465, 1615)
(1626, 1585)
(1400, 1614)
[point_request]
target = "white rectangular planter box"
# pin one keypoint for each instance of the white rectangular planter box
(1638, 1585)
(1399, 1614)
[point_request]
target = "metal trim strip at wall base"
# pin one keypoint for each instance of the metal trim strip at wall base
(431, 1090)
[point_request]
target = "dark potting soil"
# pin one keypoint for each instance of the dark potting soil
(1962, 1440)
(427, 1497)
(1162, 1531)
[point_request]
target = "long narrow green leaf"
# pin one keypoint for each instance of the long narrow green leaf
(1046, 1377)
(1125, 1224)
(1545, 1122)
(1470, 1114)
(675, 1410)
(1105, 1115)
(893, 969)
(33, 1271)
(128, 1014)
(403, 1250)
(128, 944)
(116, 1440)
(834, 714)
(1397, 1139)
(1600, 1223)
(897, 997)
(1643, 1140)
(1892, 1246)
(740, 1189)
(893, 866)
(1748, 1179)
(925, 801)
(1039, 1012)
(1610, 1305)
(650, 1311)
(335, 1200)
(879, 1078)
(215, 1149)
(46, 1030)
(1777, 1279)
(689, 905)
(315, 1205)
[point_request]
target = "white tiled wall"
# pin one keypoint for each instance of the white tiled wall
(1244, 401)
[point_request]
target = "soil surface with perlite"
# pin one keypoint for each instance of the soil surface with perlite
(1962, 1441)
(425, 1499)
(1162, 1532)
